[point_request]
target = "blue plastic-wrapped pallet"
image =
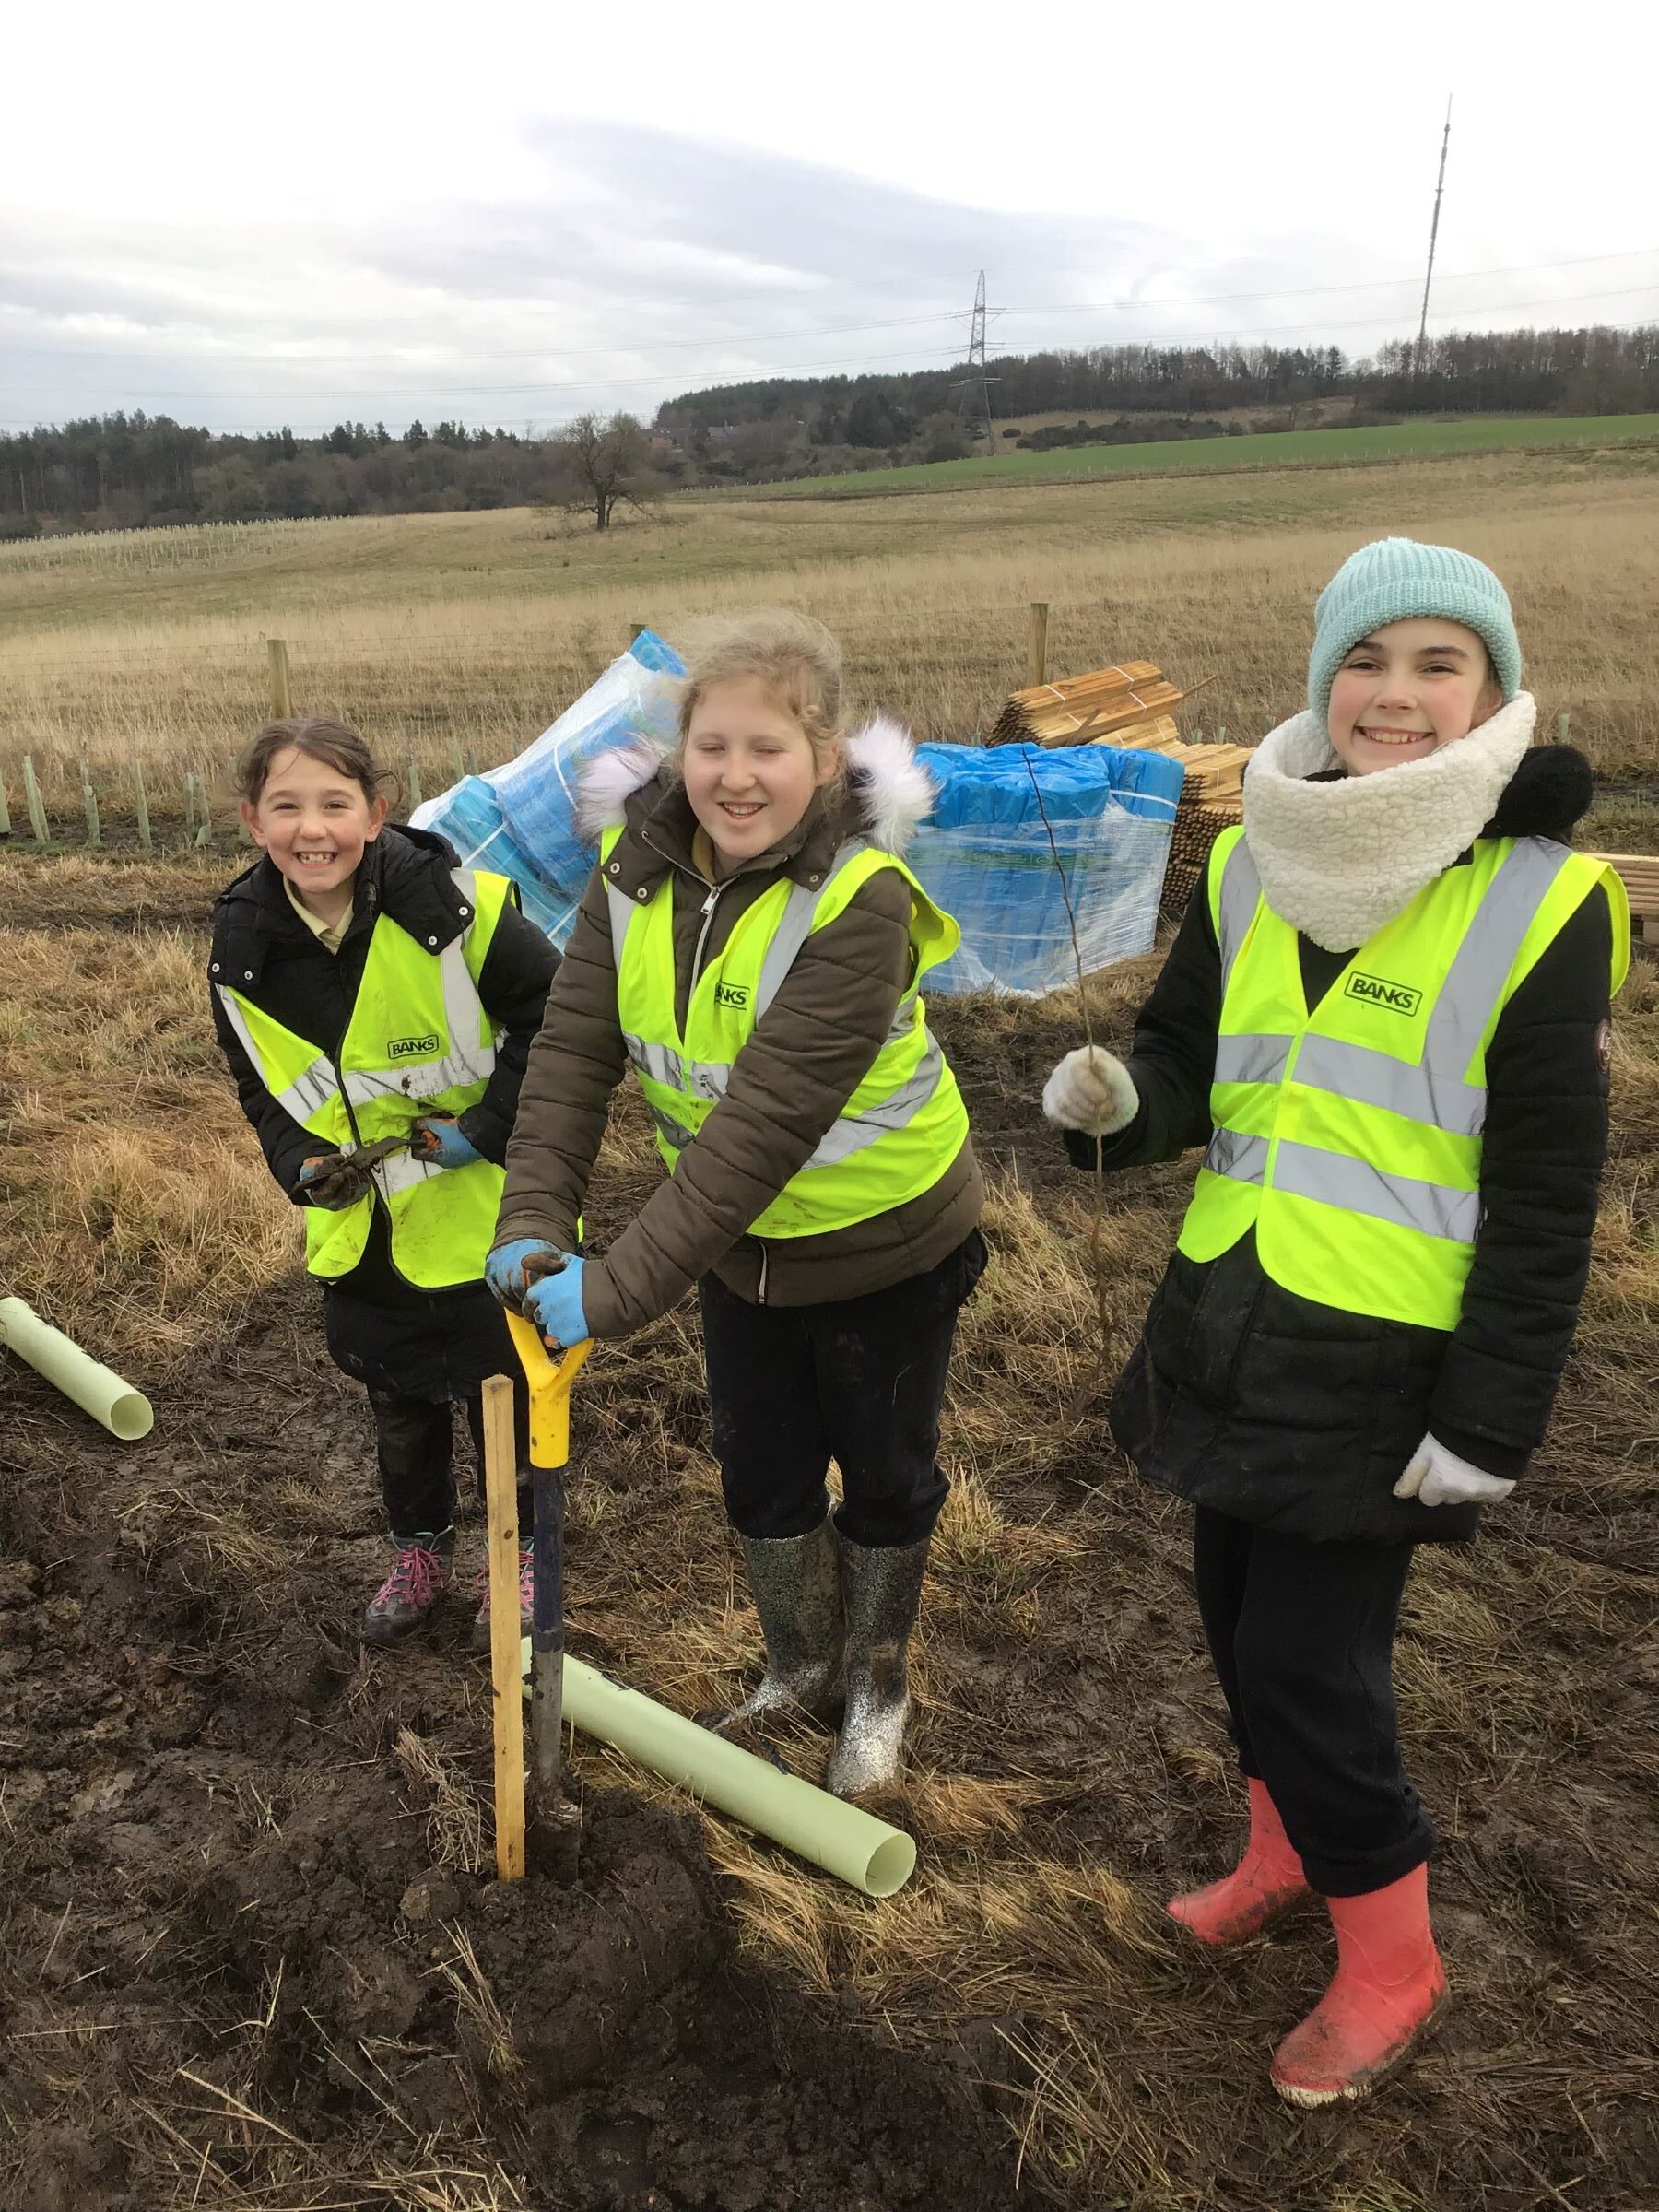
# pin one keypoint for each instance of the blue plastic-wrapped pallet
(638, 695)
(520, 820)
(985, 855)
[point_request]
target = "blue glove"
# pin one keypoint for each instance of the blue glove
(553, 1304)
(437, 1142)
(512, 1269)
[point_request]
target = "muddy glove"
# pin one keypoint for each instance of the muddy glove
(437, 1142)
(512, 1269)
(330, 1179)
(1092, 1090)
(1436, 1476)
(553, 1304)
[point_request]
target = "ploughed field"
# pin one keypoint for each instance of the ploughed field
(250, 1953)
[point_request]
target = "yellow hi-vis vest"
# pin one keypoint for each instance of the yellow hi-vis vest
(418, 1041)
(1350, 1139)
(903, 1126)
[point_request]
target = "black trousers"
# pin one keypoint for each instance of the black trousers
(1301, 1636)
(415, 1439)
(859, 1382)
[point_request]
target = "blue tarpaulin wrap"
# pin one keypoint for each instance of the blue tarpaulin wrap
(520, 819)
(984, 855)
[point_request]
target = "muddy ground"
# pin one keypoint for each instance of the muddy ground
(251, 1954)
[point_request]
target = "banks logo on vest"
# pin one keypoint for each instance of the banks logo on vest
(414, 1048)
(736, 995)
(1393, 998)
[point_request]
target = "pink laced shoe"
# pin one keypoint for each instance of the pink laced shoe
(480, 1631)
(419, 1576)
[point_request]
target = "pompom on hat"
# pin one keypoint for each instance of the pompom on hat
(1392, 580)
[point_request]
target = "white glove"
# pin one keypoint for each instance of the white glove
(1436, 1476)
(1092, 1090)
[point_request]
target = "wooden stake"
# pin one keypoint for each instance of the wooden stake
(1037, 659)
(5, 809)
(282, 698)
(141, 808)
(36, 811)
(630, 631)
(90, 804)
(204, 835)
(506, 1666)
(1563, 726)
(189, 818)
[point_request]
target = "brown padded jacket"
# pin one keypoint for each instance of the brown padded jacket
(796, 1073)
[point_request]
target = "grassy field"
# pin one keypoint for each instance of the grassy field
(199, 1713)
(1262, 449)
(475, 629)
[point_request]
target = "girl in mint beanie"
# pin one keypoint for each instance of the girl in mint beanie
(1384, 1020)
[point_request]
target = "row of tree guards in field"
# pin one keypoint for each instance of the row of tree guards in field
(195, 810)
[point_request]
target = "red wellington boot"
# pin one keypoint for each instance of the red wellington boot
(1266, 1880)
(1389, 1985)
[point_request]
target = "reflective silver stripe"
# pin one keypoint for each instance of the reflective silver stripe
(854, 1132)
(660, 1062)
(463, 1017)
(621, 913)
(1426, 1095)
(1488, 952)
(1241, 1158)
(1253, 1058)
(1338, 1178)
(401, 1173)
(1240, 888)
(676, 1134)
(794, 926)
(311, 1089)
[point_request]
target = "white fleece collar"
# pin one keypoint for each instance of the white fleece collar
(1339, 861)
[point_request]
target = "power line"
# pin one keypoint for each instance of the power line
(1140, 301)
(427, 393)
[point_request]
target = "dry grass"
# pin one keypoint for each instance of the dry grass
(474, 631)
(135, 1206)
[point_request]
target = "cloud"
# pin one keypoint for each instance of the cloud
(629, 262)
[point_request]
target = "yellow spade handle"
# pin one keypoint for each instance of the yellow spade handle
(550, 1381)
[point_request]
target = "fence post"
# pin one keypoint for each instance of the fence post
(89, 801)
(37, 812)
(1037, 658)
(141, 805)
(282, 698)
(412, 781)
(4, 808)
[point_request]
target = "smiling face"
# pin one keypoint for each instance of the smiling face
(1406, 690)
(315, 821)
(749, 770)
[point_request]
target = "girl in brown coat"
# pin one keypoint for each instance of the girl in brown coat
(753, 944)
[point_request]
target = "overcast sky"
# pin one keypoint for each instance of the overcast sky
(507, 214)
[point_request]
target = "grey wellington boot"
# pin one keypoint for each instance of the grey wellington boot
(796, 1587)
(881, 1592)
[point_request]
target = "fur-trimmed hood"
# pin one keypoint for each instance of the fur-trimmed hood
(888, 793)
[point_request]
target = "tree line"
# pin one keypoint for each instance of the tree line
(122, 470)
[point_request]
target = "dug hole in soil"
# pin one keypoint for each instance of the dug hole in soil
(241, 1966)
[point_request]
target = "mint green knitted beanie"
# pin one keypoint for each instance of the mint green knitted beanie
(1394, 578)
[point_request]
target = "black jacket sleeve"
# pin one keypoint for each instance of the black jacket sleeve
(1544, 1147)
(512, 984)
(285, 1145)
(1173, 1058)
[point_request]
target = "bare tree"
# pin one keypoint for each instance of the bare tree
(599, 463)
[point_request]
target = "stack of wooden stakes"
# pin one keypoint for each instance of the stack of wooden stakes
(1641, 874)
(1133, 705)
